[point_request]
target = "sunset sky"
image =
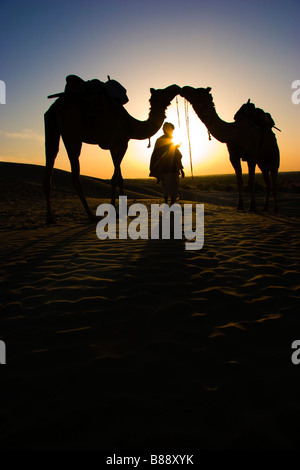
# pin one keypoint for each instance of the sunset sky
(242, 49)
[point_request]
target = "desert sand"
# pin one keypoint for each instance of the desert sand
(140, 344)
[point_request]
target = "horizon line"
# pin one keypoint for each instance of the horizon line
(141, 177)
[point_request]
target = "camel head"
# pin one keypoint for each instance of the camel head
(162, 98)
(200, 97)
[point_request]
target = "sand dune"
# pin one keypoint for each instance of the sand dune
(124, 344)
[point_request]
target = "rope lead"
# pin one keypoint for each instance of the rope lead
(177, 111)
(188, 134)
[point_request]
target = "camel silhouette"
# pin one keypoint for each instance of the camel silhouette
(245, 141)
(90, 115)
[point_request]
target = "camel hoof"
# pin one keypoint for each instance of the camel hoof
(50, 220)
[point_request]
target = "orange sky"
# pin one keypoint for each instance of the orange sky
(150, 44)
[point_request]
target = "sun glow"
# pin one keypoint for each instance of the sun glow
(191, 135)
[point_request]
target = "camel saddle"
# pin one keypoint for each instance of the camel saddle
(88, 89)
(256, 115)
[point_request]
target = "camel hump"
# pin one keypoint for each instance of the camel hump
(73, 82)
(116, 91)
(76, 84)
(256, 115)
(246, 110)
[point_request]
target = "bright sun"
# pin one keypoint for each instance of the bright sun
(191, 133)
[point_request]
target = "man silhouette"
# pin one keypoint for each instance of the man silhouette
(165, 163)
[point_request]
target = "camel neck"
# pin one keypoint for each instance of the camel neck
(222, 131)
(144, 129)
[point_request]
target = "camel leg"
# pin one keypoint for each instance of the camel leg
(251, 169)
(73, 150)
(52, 137)
(236, 163)
(47, 188)
(266, 177)
(78, 188)
(240, 185)
(274, 175)
(117, 154)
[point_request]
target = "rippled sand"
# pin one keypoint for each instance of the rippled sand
(124, 344)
